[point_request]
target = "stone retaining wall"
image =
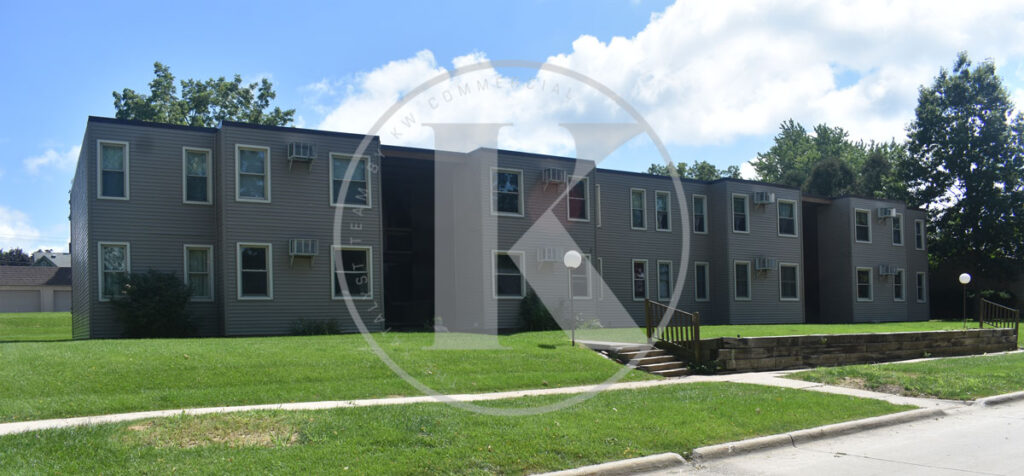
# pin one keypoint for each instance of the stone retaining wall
(779, 353)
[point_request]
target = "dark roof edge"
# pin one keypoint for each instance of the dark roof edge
(531, 154)
(296, 129)
(654, 176)
(133, 122)
(861, 197)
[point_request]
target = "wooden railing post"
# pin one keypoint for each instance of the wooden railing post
(696, 338)
(647, 318)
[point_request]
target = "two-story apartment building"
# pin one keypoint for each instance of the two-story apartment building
(274, 225)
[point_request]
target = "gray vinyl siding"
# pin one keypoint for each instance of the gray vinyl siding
(299, 209)
(81, 295)
(917, 261)
(835, 270)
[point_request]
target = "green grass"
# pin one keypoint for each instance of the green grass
(435, 438)
(962, 378)
(78, 378)
(35, 326)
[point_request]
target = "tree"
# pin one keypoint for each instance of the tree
(701, 170)
(14, 257)
(830, 177)
(966, 146)
(202, 103)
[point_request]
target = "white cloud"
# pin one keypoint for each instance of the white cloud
(16, 231)
(61, 161)
(747, 170)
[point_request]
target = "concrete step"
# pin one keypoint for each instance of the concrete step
(634, 348)
(675, 364)
(642, 354)
(640, 362)
(672, 372)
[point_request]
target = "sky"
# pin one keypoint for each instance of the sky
(712, 80)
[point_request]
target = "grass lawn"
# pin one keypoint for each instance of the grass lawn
(961, 378)
(35, 326)
(435, 438)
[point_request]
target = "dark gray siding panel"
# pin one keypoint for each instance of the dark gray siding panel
(835, 270)
(917, 261)
(81, 278)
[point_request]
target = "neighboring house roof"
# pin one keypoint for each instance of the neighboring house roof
(34, 276)
(51, 258)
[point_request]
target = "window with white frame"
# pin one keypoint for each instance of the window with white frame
(789, 282)
(862, 226)
(919, 234)
(740, 205)
(639, 279)
(787, 218)
(700, 224)
(741, 280)
(581, 279)
(702, 290)
(253, 173)
(349, 176)
(508, 274)
(352, 272)
(664, 280)
(199, 271)
(638, 208)
(922, 290)
(865, 287)
(897, 230)
(196, 175)
(898, 285)
(255, 271)
(663, 211)
(115, 264)
(113, 169)
(577, 199)
(506, 189)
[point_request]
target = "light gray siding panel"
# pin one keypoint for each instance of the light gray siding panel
(880, 251)
(917, 261)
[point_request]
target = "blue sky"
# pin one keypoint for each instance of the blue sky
(713, 80)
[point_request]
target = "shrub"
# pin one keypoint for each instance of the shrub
(310, 327)
(152, 304)
(534, 315)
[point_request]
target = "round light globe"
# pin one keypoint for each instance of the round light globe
(572, 259)
(965, 278)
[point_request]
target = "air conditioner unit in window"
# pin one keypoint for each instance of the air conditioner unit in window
(762, 198)
(549, 255)
(887, 270)
(553, 175)
(764, 263)
(886, 212)
(302, 247)
(301, 152)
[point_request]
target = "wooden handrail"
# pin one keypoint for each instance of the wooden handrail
(999, 316)
(673, 326)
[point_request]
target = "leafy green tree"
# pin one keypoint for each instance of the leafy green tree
(14, 257)
(830, 177)
(966, 146)
(202, 103)
(701, 170)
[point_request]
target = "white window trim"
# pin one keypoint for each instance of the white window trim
(99, 264)
(796, 220)
(184, 175)
(270, 271)
(924, 235)
(668, 210)
(870, 232)
(209, 267)
(330, 182)
(632, 279)
(903, 234)
(903, 280)
(644, 209)
(590, 294)
(369, 271)
(693, 206)
(266, 173)
(871, 284)
(597, 204)
(795, 266)
(923, 277)
(494, 272)
(750, 282)
(99, 169)
(746, 212)
(707, 281)
(671, 278)
(586, 198)
(522, 195)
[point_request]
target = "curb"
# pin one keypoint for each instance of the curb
(1000, 399)
(626, 466)
(736, 448)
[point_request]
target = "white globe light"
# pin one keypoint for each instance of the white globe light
(965, 278)
(572, 259)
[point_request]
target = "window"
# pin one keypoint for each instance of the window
(113, 170)
(739, 213)
(115, 264)
(741, 279)
(253, 169)
(919, 234)
(357, 192)
(354, 265)
(508, 275)
(196, 181)
(664, 280)
(898, 285)
(662, 211)
(897, 230)
(864, 284)
(638, 208)
(639, 279)
(597, 203)
(199, 271)
(922, 291)
(862, 223)
(577, 199)
(506, 190)
(255, 271)
(700, 224)
(789, 282)
(581, 279)
(787, 218)
(700, 279)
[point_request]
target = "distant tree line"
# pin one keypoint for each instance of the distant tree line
(14, 257)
